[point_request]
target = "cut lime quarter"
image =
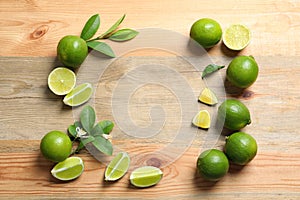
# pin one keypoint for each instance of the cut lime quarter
(202, 119)
(61, 80)
(208, 97)
(117, 167)
(68, 169)
(79, 95)
(236, 37)
(146, 176)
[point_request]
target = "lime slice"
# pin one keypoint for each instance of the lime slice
(68, 169)
(79, 95)
(146, 176)
(61, 80)
(202, 119)
(118, 167)
(236, 37)
(208, 97)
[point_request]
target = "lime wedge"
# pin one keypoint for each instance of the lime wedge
(202, 119)
(68, 169)
(208, 97)
(236, 37)
(79, 95)
(146, 176)
(117, 167)
(61, 80)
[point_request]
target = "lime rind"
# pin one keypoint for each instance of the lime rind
(117, 167)
(61, 80)
(207, 96)
(145, 176)
(202, 119)
(69, 169)
(237, 37)
(79, 95)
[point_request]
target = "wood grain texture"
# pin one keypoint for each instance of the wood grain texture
(29, 34)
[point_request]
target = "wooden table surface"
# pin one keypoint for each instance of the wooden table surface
(29, 33)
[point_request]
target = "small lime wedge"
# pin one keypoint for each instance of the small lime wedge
(68, 169)
(79, 95)
(146, 176)
(202, 119)
(61, 80)
(236, 37)
(117, 167)
(208, 97)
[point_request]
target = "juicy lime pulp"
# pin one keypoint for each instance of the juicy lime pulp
(202, 119)
(68, 169)
(212, 164)
(236, 37)
(61, 80)
(207, 32)
(72, 51)
(240, 148)
(117, 167)
(56, 146)
(207, 96)
(79, 95)
(146, 176)
(242, 71)
(234, 114)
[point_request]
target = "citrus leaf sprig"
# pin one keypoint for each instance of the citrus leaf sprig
(92, 26)
(211, 68)
(87, 132)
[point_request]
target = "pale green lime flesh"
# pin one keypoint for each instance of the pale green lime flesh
(79, 95)
(117, 167)
(68, 169)
(146, 176)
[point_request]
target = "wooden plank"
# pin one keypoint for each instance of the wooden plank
(36, 27)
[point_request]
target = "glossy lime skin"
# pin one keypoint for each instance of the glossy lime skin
(234, 114)
(212, 164)
(240, 148)
(242, 71)
(207, 32)
(56, 146)
(72, 51)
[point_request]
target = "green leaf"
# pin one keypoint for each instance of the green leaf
(103, 145)
(77, 124)
(91, 27)
(123, 35)
(87, 118)
(79, 147)
(97, 130)
(112, 28)
(106, 126)
(87, 140)
(101, 47)
(209, 69)
(72, 130)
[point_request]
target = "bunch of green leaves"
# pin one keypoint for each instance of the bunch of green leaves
(86, 131)
(92, 26)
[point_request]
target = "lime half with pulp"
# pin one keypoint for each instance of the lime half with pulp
(236, 37)
(68, 169)
(61, 80)
(118, 167)
(146, 176)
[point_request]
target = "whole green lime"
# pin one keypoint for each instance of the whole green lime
(72, 51)
(234, 114)
(212, 164)
(56, 146)
(240, 148)
(242, 71)
(207, 32)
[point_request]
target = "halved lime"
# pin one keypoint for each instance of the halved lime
(202, 119)
(68, 169)
(117, 167)
(79, 95)
(236, 37)
(208, 97)
(146, 176)
(61, 80)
